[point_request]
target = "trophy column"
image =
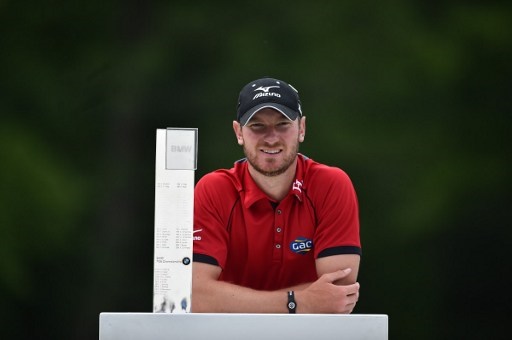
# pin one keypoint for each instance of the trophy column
(176, 162)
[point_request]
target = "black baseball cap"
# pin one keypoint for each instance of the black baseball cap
(268, 93)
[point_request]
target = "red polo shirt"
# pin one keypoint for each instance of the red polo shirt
(269, 246)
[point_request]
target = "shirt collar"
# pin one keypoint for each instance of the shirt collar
(253, 193)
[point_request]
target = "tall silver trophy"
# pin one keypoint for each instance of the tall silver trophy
(176, 162)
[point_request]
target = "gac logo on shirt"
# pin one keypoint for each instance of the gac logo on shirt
(301, 245)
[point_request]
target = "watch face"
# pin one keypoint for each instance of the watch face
(291, 305)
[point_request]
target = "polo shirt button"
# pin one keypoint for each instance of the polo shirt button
(278, 229)
(279, 211)
(278, 246)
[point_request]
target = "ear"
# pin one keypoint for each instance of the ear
(302, 129)
(238, 132)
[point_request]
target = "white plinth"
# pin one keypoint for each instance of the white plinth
(156, 326)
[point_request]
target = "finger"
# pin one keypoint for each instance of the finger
(352, 289)
(353, 294)
(350, 305)
(353, 298)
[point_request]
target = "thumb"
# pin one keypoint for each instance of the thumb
(337, 275)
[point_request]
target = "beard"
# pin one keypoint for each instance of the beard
(274, 169)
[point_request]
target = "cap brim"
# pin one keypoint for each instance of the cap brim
(285, 111)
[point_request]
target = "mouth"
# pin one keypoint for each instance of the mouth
(271, 152)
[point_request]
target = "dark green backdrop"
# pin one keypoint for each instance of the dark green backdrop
(411, 98)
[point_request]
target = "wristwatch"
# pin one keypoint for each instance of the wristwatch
(292, 305)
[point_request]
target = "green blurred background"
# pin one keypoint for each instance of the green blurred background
(411, 98)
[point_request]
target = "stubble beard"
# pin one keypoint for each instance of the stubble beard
(287, 162)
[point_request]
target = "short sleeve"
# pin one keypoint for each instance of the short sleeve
(337, 213)
(214, 195)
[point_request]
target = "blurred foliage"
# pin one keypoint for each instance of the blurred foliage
(411, 98)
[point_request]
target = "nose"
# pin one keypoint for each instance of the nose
(271, 136)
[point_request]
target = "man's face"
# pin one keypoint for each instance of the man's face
(271, 141)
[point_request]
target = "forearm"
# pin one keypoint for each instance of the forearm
(210, 295)
(223, 297)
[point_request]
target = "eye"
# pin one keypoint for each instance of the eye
(256, 126)
(283, 124)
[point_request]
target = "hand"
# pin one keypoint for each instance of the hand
(323, 296)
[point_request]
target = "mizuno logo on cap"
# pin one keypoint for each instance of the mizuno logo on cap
(265, 92)
(265, 88)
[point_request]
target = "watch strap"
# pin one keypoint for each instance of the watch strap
(292, 305)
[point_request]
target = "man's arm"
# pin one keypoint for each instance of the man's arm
(346, 291)
(209, 295)
(330, 264)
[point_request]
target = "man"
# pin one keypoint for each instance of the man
(277, 233)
